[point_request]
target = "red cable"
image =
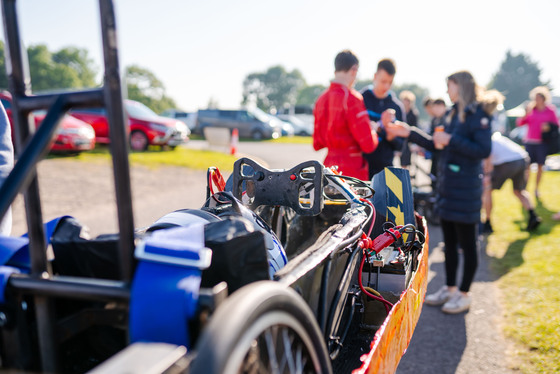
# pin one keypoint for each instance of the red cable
(388, 305)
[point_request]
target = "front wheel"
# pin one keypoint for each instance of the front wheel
(257, 135)
(262, 328)
(138, 141)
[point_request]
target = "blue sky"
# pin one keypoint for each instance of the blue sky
(204, 49)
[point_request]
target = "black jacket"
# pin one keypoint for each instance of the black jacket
(384, 153)
(459, 174)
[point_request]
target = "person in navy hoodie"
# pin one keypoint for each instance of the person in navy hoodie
(378, 100)
(464, 144)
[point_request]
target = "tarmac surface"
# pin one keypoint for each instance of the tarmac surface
(469, 342)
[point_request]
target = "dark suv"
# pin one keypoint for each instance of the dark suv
(251, 123)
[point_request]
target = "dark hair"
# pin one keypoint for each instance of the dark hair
(388, 65)
(427, 101)
(345, 60)
(439, 101)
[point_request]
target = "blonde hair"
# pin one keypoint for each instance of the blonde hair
(408, 95)
(470, 93)
(542, 91)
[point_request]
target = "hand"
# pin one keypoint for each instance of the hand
(441, 139)
(388, 116)
(397, 128)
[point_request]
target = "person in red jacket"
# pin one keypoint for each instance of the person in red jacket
(342, 123)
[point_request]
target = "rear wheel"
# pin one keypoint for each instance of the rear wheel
(262, 328)
(138, 141)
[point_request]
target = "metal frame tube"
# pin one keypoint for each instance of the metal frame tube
(72, 288)
(24, 177)
(118, 135)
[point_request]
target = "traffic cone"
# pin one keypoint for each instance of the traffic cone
(234, 141)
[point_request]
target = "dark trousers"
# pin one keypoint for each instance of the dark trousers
(460, 235)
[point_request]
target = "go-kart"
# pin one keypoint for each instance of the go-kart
(301, 270)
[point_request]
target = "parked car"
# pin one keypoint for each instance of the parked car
(146, 127)
(287, 127)
(72, 135)
(251, 123)
(302, 112)
(301, 128)
(187, 118)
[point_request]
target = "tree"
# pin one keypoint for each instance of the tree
(47, 75)
(308, 95)
(70, 67)
(516, 77)
(213, 103)
(79, 61)
(145, 87)
(272, 89)
(3, 77)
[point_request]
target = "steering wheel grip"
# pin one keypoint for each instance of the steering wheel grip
(300, 188)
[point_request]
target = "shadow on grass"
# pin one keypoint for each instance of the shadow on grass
(513, 257)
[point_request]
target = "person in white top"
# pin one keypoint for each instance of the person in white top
(6, 165)
(508, 160)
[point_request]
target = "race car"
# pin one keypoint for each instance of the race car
(302, 270)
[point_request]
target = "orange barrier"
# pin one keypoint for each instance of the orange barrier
(391, 340)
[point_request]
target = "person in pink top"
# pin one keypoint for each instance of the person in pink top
(540, 114)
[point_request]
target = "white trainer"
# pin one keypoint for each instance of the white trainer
(440, 297)
(459, 302)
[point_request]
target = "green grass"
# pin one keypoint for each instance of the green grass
(528, 267)
(155, 157)
(292, 140)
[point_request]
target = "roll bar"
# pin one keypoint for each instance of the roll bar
(31, 148)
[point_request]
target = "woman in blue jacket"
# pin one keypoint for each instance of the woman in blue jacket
(464, 143)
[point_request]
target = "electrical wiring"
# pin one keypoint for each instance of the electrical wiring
(339, 183)
(392, 234)
(369, 289)
(406, 229)
(355, 181)
(388, 305)
(373, 215)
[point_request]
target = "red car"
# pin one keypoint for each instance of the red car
(146, 127)
(73, 135)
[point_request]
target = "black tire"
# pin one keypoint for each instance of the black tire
(138, 141)
(257, 135)
(250, 331)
